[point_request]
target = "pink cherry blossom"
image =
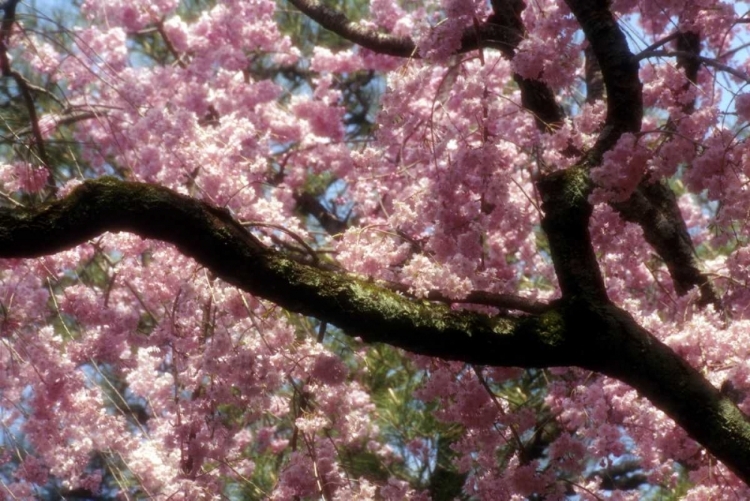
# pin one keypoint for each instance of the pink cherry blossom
(403, 158)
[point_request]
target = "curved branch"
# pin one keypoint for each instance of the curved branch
(337, 22)
(595, 335)
(619, 71)
(485, 35)
(653, 206)
(214, 239)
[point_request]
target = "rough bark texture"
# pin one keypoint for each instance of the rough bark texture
(611, 66)
(210, 236)
(653, 206)
(619, 69)
(584, 329)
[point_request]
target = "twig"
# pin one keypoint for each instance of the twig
(9, 18)
(297, 238)
(484, 298)
(691, 56)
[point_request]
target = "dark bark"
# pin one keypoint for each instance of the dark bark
(619, 72)
(610, 65)
(210, 236)
(337, 22)
(667, 233)
(582, 330)
(593, 77)
(689, 43)
(566, 223)
(653, 206)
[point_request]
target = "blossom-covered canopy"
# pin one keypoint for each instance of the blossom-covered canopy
(458, 249)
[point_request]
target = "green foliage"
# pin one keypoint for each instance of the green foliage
(317, 184)
(307, 34)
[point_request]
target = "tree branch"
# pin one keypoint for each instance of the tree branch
(337, 22)
(619, 71)
(485, 35)
(653, 206)
(214, 239)
(566, 223)
(578, 331)
(682, 55)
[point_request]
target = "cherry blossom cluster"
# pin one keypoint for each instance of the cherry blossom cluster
(122, 355)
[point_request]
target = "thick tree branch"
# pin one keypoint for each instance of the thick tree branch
(621, 348)
(653, 206)
(581, 331)
(566, 222)
(619, 71)
(611, 63)
(214, 239)
(633, 356)
(593, 77)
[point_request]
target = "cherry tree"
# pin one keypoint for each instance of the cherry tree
(396, 250)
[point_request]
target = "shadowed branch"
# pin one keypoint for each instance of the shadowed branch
(578, 331)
